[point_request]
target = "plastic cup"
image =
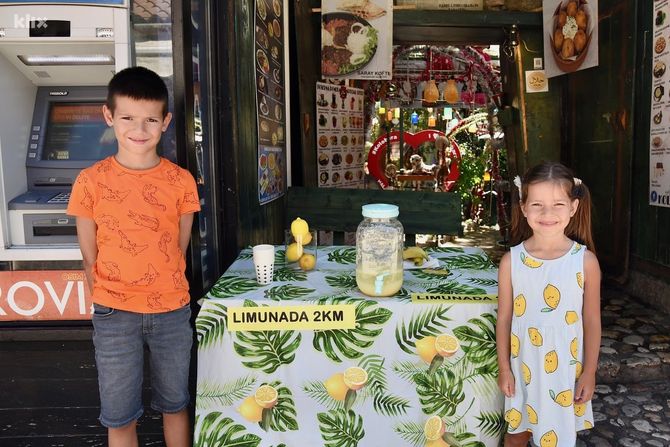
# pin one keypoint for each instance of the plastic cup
(264, 262)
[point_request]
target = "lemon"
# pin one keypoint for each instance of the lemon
(564, 398)
(299, 227)
(355, 377)
(552, 296)
(266, 396)
(525, 371)
(549, 439)
(588, 425)
(250, 410)
(535, 336)
(550, 362)
(307, 262)
(519, 305)
(514, 345)
(304, 239)
(532, 414)
(580, 280)
(571, 317)
(439, 442)
(530, 262)
(578, 370)
(293, 252)
(446, 345)
(425, 347)
(336, 387)
(574, 348)
(433, 429)
(580, 409)
(513, 416)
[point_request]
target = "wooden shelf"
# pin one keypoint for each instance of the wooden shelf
(439, 18)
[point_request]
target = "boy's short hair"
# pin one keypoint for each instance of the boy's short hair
(137, 83)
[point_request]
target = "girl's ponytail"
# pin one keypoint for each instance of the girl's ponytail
(579, 228)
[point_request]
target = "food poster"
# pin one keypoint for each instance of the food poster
(570, 35)
(659, 132)
(339, 136)
(356, 39)
(270, 99)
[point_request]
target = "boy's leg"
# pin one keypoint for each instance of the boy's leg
(123, 436)
(170, 342)
(119, 358)
(176, 429)
(517, 439)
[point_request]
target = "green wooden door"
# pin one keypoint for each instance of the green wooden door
(599, 131)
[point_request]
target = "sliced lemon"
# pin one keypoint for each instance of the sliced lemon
(266, 396)
(355, 377)
(446, 345)
(433, 428)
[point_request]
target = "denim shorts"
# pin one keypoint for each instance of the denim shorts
(119, 338)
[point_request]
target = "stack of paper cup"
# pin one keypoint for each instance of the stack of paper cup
(264, 262)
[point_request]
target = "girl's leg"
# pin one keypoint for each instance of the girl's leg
(517, 439)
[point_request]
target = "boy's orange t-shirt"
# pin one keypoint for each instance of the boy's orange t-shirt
(140, 267)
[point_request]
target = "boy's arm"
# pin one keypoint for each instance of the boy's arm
(86, 230)
(185, 226)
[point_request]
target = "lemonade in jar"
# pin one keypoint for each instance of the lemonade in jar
(379, 243)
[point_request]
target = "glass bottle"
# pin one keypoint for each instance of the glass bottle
(379, 242)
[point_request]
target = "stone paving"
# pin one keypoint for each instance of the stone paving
(632, 401)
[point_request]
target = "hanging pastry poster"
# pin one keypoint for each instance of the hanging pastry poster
(356, 39)
(339, 136)
(270, 99)
(659, 131)
(570, 35)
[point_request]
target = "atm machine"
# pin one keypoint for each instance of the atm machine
(56, 59)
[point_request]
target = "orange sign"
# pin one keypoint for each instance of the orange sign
(44, 295)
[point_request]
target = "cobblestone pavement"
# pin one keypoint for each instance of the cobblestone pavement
(632, 401)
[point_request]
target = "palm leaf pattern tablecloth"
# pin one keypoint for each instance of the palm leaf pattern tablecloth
(402, 391)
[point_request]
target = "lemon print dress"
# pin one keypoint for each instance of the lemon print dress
(546, 347)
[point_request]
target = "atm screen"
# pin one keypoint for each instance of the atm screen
(76, 131)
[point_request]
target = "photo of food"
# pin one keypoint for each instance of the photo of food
(265, 127)
(262, 85)
(337, 159)
(571, 34)
(323, 141)
(261, 7)
(660, 18)
(264, 106)
(276, 27)
(263, 161)
(276, 7)
(348, 43)
(323, 120)
(657, 141)
(261, 37)
(344, 140)
(349, 158)
(659, 69)
(280, 133)
(658, 117)
(272, 161)
(323, 177)
(274, 138)
(278, 93)
(348, 175)
(274, 52)
(333, 140)
(278, 112)
(336, 177)
(660, 44)
(359, 174)
(324, 159)
(276, 75)
(263, 62)
(658, 92)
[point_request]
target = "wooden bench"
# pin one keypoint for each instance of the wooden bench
(339, 210)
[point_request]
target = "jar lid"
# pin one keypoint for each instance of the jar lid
(380, 210)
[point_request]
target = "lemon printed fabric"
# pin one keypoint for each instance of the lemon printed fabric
(546, 347)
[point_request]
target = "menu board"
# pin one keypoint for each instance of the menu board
(270, 99)
(357, 39)
(339, 136)
(659, 138)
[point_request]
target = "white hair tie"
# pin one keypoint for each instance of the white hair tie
(517, 182)
(577, 181)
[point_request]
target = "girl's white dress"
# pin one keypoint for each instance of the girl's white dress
(546, 347)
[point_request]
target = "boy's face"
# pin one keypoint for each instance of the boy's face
(138, 124)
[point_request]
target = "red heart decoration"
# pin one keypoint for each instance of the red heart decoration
(377, 155)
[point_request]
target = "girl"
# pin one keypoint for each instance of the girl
(548, 330)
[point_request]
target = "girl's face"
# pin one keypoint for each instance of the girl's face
(548, 208)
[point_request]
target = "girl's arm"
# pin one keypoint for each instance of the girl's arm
(504, 325)
(591, 320)
(86, 232)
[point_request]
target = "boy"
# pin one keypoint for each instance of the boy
(134, 214)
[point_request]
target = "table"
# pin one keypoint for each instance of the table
(303, 366)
